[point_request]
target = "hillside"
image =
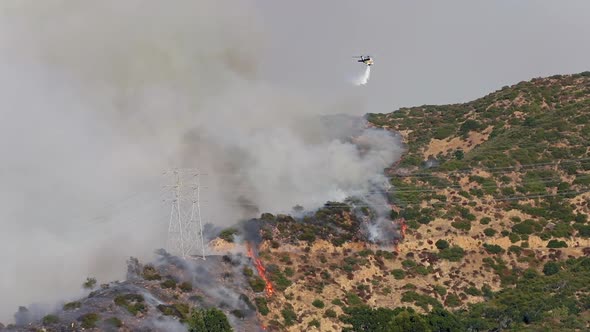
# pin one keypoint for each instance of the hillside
(490, 232)
(495, 196)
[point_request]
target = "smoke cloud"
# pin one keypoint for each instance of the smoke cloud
(98, 97)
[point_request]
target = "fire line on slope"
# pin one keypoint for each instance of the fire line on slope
(261, 270)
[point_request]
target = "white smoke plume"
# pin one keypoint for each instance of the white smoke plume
(364, 77)
(98, 97)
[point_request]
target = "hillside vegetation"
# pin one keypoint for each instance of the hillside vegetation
(495, 194)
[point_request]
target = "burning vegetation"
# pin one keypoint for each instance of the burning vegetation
(260, 269)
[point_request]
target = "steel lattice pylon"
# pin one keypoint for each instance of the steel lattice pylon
(185, 229)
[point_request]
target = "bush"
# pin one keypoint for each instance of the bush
(208, 320)
(169, 284)
(398, 274)
(338, 302)
(453, 300)
(318, 303)
(550, 268)
(186, 287)
(72, 305)
(50, 319)
(556, 244)
(493, 248)
(453, 254)
(150, 273)
(315, 323)
(228, 234)
(257, 284)
(489, 232)
(262, 306)
(442, 244)
(485, 220)
(408, 321)
(330, 313)
(464, 225)
(473, 291)
(88, 321)
(408, 263)
(289, 316)
(89, 283)
(170, 310)
(132, 302)
(441, 290)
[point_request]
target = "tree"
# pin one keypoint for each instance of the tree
(440, 320)
(195, 322)
(442, 244)
(365, 318)
(550, 268)
(406, 321)
(208, 320)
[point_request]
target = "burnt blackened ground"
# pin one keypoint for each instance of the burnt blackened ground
(156, 297)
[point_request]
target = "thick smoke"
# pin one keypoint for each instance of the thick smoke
(98, 97)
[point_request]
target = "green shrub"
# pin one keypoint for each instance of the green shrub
(464, 225)
(318, 303)
(338, 302)
(50, 319)
(442, 244)
(132, 302)
(489, 232)
(150, 273)
(453, 254)
(473, 291)
(493, 248)
(248, 271)
(169, 284)
(330, 313)
(408, 263)
(89, 283)
(257, 284)
(88, 321)
(398, 274)
(72, 305)
(228, 234)
(515, 249)
(289, 316)
(452, 300)
(513, 237)
(208, 320)
(262, 306)
(441, 290)
(315, 323)
(550, 268)
(485, 220)
(556, 244)
(186, 287)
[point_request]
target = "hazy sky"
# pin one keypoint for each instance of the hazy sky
(426, 52)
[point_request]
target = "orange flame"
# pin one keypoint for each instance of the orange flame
(261, 271)
(403, 227)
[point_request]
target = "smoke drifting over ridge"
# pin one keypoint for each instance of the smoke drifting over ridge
(98, 97)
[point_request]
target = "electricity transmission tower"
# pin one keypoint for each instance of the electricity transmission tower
(185, 229)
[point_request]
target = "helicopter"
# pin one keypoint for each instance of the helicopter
(366, 59)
